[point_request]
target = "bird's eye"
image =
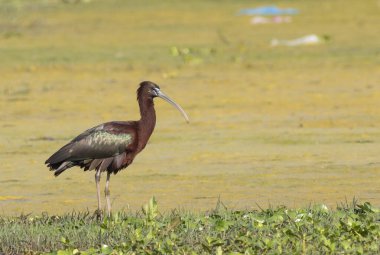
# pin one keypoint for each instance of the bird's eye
(155, 91)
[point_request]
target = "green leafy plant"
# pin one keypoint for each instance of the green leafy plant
(352, 229)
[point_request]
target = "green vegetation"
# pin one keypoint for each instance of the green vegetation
(350, 229)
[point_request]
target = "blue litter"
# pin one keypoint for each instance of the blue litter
(268, 10)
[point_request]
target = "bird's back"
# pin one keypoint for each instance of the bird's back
(110, 146)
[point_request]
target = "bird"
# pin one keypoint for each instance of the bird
(112, 146)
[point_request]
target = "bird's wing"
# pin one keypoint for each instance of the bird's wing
(103, 141)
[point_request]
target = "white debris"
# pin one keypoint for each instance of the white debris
(257, 20)
(305, 40)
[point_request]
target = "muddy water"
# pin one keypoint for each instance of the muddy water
(291, 129)
(245, 145)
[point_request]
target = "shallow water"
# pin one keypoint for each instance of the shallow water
(268, 127)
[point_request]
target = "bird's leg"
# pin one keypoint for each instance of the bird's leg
(97, 181)
(107, 192)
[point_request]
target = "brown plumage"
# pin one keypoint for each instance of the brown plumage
(111, 146)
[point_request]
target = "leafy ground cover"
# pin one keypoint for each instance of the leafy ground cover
(349, 229)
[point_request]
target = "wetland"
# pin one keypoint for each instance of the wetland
(268, 125)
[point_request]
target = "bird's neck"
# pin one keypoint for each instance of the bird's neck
(147, 121)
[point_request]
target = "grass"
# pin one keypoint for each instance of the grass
(349, 229)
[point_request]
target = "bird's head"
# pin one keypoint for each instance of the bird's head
(148, 89)
(151, 90)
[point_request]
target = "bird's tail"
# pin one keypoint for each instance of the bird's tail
(65, 165)
(58, 168)
(60, 161)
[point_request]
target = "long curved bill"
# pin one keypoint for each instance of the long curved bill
(169, 100)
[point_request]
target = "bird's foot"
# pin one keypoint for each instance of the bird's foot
(99, 214)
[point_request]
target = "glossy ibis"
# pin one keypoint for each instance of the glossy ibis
(112, 146)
